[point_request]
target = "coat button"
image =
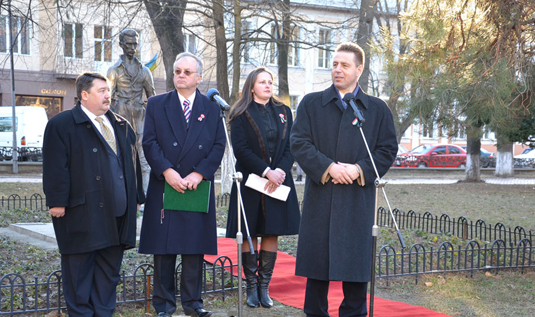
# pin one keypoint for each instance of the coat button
(95, 150)
(89, 126)
(200, 147)
(121, 177)
(175, 144)
(178, 166)
(97, 178)
(101, 205)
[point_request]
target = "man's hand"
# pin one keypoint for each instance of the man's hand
(340, 174)
(192, 180)
(351, 169)
(175, 180)
(57, 212)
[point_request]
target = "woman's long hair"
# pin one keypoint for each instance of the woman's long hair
(247, 97)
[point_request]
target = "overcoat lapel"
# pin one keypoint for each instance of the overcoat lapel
(257, 125)
(281, 117)
(175, 115)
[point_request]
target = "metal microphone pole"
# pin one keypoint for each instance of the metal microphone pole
(237, 177)
(379, 183)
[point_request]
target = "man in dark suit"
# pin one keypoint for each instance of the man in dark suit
(335, 238)
(184, 142)
(93, 187)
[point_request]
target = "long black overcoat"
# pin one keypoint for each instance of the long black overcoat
(76, 174)
(335, 238)
(169, 144)
(265, 215)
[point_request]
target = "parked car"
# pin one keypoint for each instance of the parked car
(525, 160)
(429, 155)
(487, 159)
(401, 149)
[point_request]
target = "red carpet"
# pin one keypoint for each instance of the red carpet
(289, 289)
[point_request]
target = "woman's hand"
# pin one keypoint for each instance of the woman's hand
(276, 178)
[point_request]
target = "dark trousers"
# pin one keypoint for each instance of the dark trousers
(353, 305)
(90, 281)
(164, 296)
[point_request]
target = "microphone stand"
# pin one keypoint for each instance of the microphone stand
(237, 177)
(379, 183)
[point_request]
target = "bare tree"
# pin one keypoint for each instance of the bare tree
(167, 19)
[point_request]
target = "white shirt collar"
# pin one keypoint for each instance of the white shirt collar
(191, 99)
(92, 117)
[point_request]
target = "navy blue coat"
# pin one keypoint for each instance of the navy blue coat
(265, 215)
(77, 175)
(167, 143)
(335, 238)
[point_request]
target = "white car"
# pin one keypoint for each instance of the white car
(525, 160)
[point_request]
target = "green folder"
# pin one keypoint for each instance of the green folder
(192, 200)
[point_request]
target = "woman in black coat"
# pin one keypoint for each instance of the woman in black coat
(260, 131)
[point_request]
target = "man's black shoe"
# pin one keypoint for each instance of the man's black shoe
(164, 314)
(198, 312)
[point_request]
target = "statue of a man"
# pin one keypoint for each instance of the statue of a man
(128, 79)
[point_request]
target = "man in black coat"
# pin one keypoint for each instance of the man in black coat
(93, 187)
(335, 239)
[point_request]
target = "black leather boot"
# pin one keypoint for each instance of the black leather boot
(265, 270)
(250, 267)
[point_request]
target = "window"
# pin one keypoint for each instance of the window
(72, 34)
(440, 150)
(103, 44)
(52, 105)
(324, 51)
(20, 31)
(293, 50)
(454, 150)
(294, 103)
(189, 43)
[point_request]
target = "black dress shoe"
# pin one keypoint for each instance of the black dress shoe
(198, 312)
(164, 314)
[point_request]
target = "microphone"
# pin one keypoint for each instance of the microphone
(213, 95)
(349, 98)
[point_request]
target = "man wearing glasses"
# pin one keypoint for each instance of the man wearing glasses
(184, 142)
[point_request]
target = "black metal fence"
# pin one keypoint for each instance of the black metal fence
(19, 296)
(14, 201)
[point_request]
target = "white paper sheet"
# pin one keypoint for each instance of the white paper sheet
(258, 183)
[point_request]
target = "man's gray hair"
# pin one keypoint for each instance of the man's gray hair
(188, 54)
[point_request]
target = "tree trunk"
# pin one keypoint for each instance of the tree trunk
(473, 159)
(367, 12)
(283, 44)
(236, 56)
(221, 49)
(167, 19)
(504, 160)
(222, 86)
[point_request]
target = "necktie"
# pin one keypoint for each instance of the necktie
(187, 110)
(106, 133)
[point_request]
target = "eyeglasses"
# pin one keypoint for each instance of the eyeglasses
(180, 71)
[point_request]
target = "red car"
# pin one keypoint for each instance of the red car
(429, 155)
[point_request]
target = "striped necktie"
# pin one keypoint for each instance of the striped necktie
(187, 110)
(107, 134)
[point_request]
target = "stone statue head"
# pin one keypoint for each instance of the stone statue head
(128, 40)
